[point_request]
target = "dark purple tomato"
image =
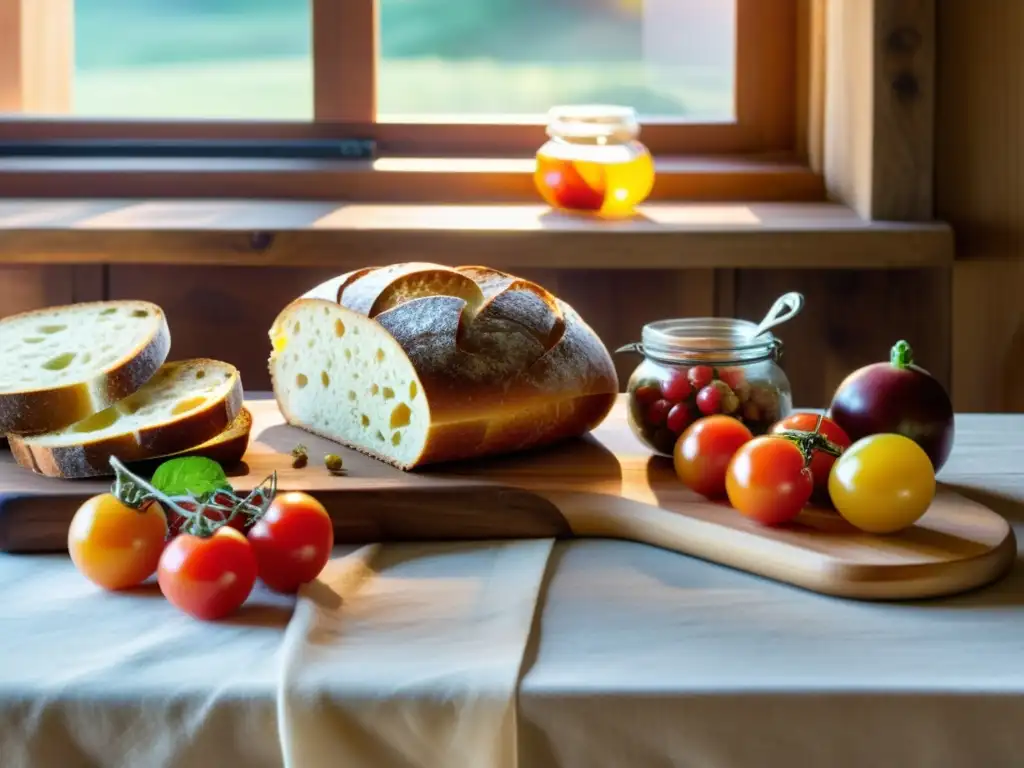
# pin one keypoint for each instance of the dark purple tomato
(896, 397)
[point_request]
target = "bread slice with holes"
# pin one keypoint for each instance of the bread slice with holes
(419, 363)
(183, 405)
(62, 364)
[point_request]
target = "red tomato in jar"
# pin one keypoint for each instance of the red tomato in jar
(821, 462)
(732, 376)
(208, 578)
(703, 452)
(677, 387)
(658, 412)
(292, 541)
(701, 375)
(563, 185)
(767, 480)
(647, 394)
(679, 417)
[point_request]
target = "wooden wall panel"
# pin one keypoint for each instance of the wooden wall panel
(851, 318)
(225, 312)
(24, 288)
(979, 168)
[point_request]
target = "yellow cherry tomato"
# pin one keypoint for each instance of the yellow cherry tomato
(882, 483)
(115, 546)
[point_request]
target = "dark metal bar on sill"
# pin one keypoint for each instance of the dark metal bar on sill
(141, 149)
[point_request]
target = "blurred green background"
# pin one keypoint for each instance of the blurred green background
(251, 58)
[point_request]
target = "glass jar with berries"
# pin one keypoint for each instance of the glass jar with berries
(701, 366)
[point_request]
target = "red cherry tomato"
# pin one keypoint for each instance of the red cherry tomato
(563, 186)
(732, 376)
(701, 375)
(677, 388)
(658, 412)
(292, 541)
(703, 452)
(767, 480)
(647, 394)
(208, 578)
(679, 417)
(709, 400)
(821, 462)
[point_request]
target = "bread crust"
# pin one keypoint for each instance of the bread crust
(91, 458)
(45, 410)
(227, 448)
(516, 370)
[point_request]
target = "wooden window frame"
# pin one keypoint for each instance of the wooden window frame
(765, 93)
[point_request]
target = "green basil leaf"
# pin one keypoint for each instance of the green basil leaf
(192, 475)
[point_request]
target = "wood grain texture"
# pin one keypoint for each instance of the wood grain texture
(604, 486)
(510, 236)
(852, 318)
(980, 190)
(36, 56)
(880, 104)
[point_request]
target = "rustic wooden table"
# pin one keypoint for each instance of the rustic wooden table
(531, 653)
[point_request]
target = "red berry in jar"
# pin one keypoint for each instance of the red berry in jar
(701, 375)
(732, 376)
(709, 400)
(658, 412)
(679, 417)
(647, 394)
(730, 401)
(677, 388)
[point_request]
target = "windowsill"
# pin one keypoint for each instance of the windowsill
(388, 179)
(324, 234)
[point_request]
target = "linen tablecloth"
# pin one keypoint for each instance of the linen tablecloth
(535, 654)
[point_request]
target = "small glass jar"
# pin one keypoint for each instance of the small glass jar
(699, 366)
(593, 161)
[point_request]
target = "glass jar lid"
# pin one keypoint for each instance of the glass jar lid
(712, 340)
(593, 122)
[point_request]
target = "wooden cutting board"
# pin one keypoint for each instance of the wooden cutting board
(606, 485)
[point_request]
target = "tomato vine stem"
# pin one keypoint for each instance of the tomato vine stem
(135, 492)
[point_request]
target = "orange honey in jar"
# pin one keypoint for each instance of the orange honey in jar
(593, 161)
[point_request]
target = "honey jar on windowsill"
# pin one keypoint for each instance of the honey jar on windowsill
(593, 161)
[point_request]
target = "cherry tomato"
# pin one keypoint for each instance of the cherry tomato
(658, 412)
(701, 375)
(115, 546)
(732, 376)
(677, 387)
(882, 483)
(767, 480)
(208, 577)
(709, 400)
(703, 451)
(647, 394)
(562, 185)
(292, 541)
(678, 417)
(821, 462)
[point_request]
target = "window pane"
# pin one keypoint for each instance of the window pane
(245, 59)
(666, 58)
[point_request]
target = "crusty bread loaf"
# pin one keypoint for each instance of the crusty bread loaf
(419, 363)
(184, 404)
(62, 364)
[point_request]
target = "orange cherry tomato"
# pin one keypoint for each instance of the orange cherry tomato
(821, 462)
(115, 546)
(703, 452)
(767, 480)
(208, 577)
(292, 541)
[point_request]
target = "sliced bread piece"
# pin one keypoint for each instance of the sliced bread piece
(185, 403)
(62, 364)
(227, 449)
